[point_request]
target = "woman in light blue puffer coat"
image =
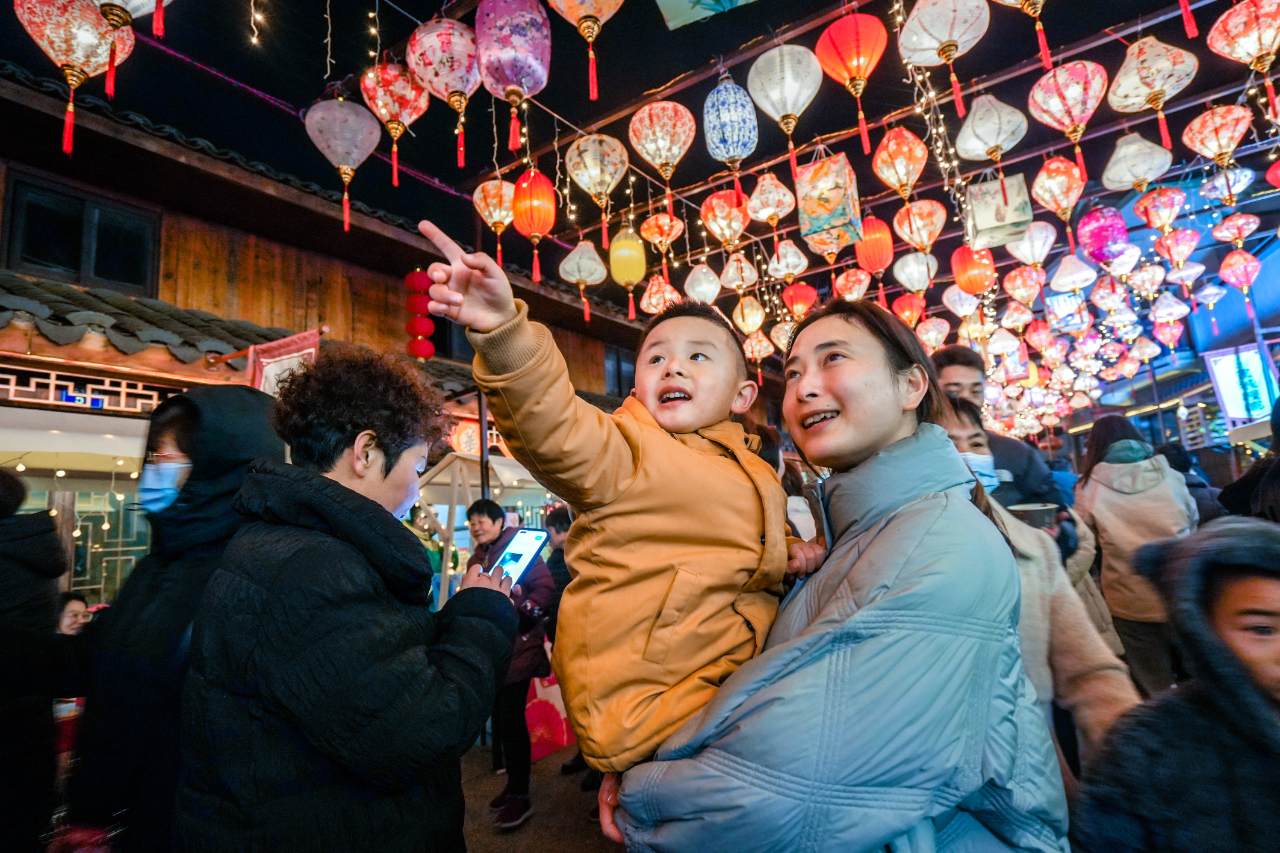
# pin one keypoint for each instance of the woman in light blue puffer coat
(889, 709)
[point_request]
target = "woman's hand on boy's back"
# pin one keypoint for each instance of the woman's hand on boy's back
(468, 289)
(805, 558)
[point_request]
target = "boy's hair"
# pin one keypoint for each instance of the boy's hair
(558, 519)
(12, 493)
(1179, 458)
(68, 597)
(487, 508)
(1218, 575)
(701, 312)
(966, 410)
(958, 355)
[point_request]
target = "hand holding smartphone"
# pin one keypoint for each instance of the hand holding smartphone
(520, 553)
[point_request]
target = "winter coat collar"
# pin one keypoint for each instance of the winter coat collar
(31, 541)
(921, 464)
(287, 494)
(727, 433)
(1134, 477)
(1128, 450)
(1180, 568)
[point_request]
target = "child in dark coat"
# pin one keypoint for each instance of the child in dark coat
(1194, 771)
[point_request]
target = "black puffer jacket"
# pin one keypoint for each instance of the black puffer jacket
(31, 559)
(130, 661)
(327, 706)
(1195, 770)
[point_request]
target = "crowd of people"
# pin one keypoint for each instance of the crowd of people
(948, 643)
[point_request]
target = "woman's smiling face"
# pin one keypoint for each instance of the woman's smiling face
(844, 403)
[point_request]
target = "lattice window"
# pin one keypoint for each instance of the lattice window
(66, 390)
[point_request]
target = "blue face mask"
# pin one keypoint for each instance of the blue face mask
(158, 485)
(983, 467)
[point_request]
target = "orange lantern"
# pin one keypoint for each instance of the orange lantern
(909, 307)
(533, 210)
(492, 200)
(899, 160)
(849, 51)
(975, 270)
(851, 285)
(875, 250)
(1177, 245)
(1057, 187)
(1160, 208)
(800, 299)
(662, 229)
(658, 296)
(725, 215)
(1216, 133)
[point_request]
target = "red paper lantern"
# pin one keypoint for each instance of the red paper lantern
(909, 307)
(800, 299)
(1039, 335)
(418, 303)
(397, 100)
(418, 281)
(533, 211)
(1240, 269)
(875, 249)
(420, 327)
(849, 51)
(975, 271)
(420, 348)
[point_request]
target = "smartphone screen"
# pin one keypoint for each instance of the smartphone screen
(520, 553)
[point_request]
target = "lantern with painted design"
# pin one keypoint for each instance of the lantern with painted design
(585, 268)
(397, 100)
(992, 128)
(1249, 33)
(938, 31)
(493, 201)
(346, 134)
(661, 133)
(1067, 97)
(1135, 163)
(919, 223)
(442, 56)
(899, 160)
(1152, 73)
(658, 295)
(1236, 228)
(596, 163)
(513, 42)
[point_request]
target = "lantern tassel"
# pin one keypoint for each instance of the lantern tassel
(880, 296)
(1004, 193)
(631, 305)
(157, 20)
(395, 163)
(1045, 59)
(1214, 320)
(670, 203)
(1071, 239)
(1271, 101)
(862, 129)
(110, 71)
(791, 153)
(956, 93)
(462, 147)
(586, 308)
(1164, 131)
(346, 209)
(739, 195)
(513, 136)
(591, 71)
(1248, 304)
(537, 265)
(604, 229)
(665, 275)
(499, 250)
(759, 375)
(1084, 174)
(1189, 20)
(69, 123)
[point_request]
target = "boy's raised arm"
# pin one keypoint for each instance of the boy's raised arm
(573, 449)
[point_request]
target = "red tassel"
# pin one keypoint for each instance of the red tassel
(862, 129)
(462, 148)
(665, 275)
(1271, 101)
(759, 375)
(69, 123)
(604, 229)
(791, 152)
(880, 296)
(591, 71)
(955, 93)
(395, 163)
(537, 265)
(157, 21)
(346, 210)
(1071, 239)
(670, 204)
(110, 71)
(1188, 19)
(1186, 294)
(513, 137)
(1164, 131)
(631, 305)
(1084, 174)
(1004, 193)
(1215, 323)
(1248, 304)
(1045, 59)
(586, 309)
(739, 195)
(499, 250)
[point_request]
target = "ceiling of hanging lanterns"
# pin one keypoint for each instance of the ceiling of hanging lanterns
(1064, 213)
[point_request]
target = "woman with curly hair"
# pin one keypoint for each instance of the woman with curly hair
(327, 706)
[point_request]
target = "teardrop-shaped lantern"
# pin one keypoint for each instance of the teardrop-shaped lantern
(513, 42)
(724, 213)
(346, 134)
(849, 50)
(1227, 185)
(757, 347)
(739, 274)
(1024, 283)
(658, 295)
(1135, 164)
(899, 160)
(1215, 133)
(851, 285)
(729, 125)
(596, 163)
(1240, 269)
(770, 201)
(80, 42)
(1016, 316)
(398, 100)
(1067, 97)
(787, 262)
(1034, 246)
(1249, 33)
(1108, 294)
(627, 264)
(748, 316)
(915, 271)
(1169, 333)
(1146, 281)
(661, 133)
(783, 82)
(974, 269)
(702, 285)
(588, 16)
(919, 223)
(1168, 308)
(938, 31)
(533, 207)
(1152, 73)
(992, 128)
(585, 268)
(1160, 208)
(442, 56)
(493, 201)
(1236, 228)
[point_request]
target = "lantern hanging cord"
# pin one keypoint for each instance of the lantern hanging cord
(328, 40)
(253, 21)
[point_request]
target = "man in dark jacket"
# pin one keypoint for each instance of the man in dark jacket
(129, 662)
(1206, 496)
(1194, 770)
(31, 559)
(327, 706)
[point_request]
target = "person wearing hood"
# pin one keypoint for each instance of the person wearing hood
(1129, 496)
(327, 705)
(1194, 771)
(1257, 493)
(129, 662)
(1207, 504)
(31, 560)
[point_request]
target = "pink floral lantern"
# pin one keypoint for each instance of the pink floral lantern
(851, 285)
(494, 201)
(442, 56)
(1168, 333)
(1067, 97)
(938, 31)
(1057, 187)
(1102, 234)
(933, 333)
(1240, 269)
(770, 201)
(658, 296)
(1236, 228)
(80, 42)
(1177, 245)
(397, 99)
(346, 134)
(725, 215)
(899, 160)
(1216, 133)
(1152, 73)
(1160, 208)
(1108, 294)
(1249, 32)
(513, 41)
(661, 133)
(1024, 283)
(919, 223)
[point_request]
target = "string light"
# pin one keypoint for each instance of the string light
(255, 17)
